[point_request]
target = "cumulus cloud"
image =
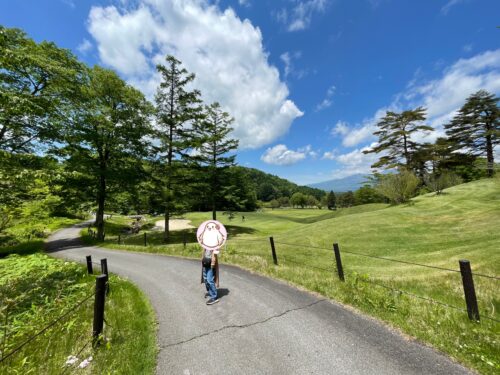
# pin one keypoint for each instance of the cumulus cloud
(225, 53)
(300, 16)
(355, 162)
(281, 155)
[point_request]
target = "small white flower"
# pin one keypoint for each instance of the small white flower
(85, 362)
(71, 360)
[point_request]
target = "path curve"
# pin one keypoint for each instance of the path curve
(260, 326)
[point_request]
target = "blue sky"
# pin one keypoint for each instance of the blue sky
(306, 80)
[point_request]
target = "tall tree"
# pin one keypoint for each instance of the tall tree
(38, 83)
(331, 201)
(177, 108)
(394, 138)
(213, 146)
(475, 129)
(107, 135)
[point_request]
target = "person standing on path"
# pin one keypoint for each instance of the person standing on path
(211, 236)
(210, 275)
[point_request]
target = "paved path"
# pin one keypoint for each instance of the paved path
(260, 326)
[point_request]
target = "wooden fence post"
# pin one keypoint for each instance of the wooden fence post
(184, 239)
(89, 265)
(273, 250)
(338, 261)
(100, 297)
(119, 239)
(104, 271)
(469, 291)
(145, 239)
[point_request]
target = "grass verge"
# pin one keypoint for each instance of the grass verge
(36, 290)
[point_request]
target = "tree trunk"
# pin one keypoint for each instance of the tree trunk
(166, 232)
(489, 156)
(101, 198)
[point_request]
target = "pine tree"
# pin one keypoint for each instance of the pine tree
(475, 129)
(177, 108)
(331, 201)
(394, 138)
(213, 145)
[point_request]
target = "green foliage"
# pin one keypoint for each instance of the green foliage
(398, 188)
(331, 201)
(439, 182)
(38, 82)
(476, 127)
(394, 137)
(35, 290)
(212, 145)
(346, 199)
(367, 194)
(298, 199)
(106, 135)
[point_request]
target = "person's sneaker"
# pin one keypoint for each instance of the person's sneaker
(211, 301)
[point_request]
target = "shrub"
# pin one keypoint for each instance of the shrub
(398, 188)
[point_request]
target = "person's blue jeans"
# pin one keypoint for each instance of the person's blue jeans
(209, 277)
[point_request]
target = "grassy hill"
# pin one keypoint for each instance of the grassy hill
(462, 223)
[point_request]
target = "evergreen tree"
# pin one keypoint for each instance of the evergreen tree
(394, 138)
(331, 201)
(177, 109)
(476, 127)
(213, 145)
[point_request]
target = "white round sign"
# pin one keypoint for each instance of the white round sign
(211, 235)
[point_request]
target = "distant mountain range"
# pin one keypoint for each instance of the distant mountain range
(352, 183)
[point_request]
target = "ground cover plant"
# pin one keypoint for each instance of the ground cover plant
(433, 229)
(36, 289)
(29, 226)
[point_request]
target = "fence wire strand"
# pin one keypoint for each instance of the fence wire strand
(43, 330)
(307, 265)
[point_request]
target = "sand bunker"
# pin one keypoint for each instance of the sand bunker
(174, 224)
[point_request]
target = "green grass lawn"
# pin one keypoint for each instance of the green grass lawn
(463, 223)
(36, 289)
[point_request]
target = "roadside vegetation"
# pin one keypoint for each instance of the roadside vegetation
(35, 290)
(437, 230)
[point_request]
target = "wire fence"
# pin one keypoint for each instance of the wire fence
(101, 289)
(51, 324)
(469, 291)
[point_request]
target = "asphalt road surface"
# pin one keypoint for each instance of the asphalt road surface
(260, 326)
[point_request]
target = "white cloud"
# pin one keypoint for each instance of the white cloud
(340, 128)
(442, 97)
(245, 3)
(281, 155)
(329, 155)
(327, 101)
(355, 162)
(451, 3)
(84, 47)
(299, 18)
(290, 70)
(225, 53)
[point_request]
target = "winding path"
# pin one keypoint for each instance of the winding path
(260, 326)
